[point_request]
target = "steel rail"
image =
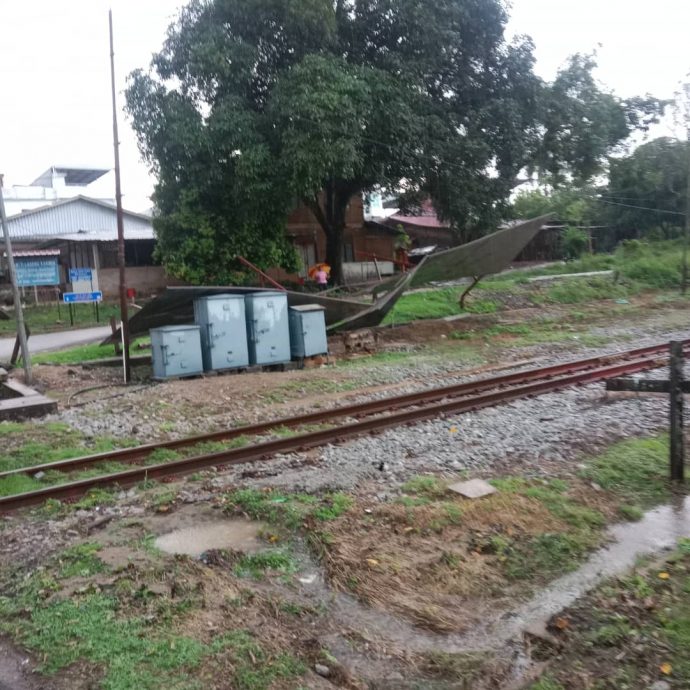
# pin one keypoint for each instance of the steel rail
(268, 449)
(138, 453)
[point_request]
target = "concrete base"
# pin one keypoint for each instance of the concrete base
(18, 401)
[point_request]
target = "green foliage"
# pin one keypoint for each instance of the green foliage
(252, 105)
(81, 560)
(287, 510)
(66, 631)
(654, 176)
(575, 243)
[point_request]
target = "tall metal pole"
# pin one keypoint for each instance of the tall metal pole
(18, 311)
(686, 237)
(120, 220)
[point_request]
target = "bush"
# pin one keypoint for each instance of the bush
(574, 242)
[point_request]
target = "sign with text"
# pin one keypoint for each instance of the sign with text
(37, 271)
(77, 274)
(73, 297)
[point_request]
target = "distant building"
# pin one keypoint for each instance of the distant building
(58, 182)
(50, 220)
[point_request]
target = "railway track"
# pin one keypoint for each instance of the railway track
(403, 409)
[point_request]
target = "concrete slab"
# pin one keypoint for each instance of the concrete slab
(474, 488)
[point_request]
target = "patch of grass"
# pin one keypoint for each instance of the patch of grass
(81, 560)
(544, 556)
(632, 513)
(546, 683)
(161, 456)
(287, 510)
(548, 554)
(255, 565)
(82, 353)
(253, 667)
(428, 486)
(461, 667)
(636, 470)
(96, 497)
(332, 507)
(642, 612)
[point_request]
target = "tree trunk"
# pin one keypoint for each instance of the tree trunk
(331, 218)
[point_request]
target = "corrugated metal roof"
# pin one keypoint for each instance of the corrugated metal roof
(35, 252)
(102, 236)
(76, 215)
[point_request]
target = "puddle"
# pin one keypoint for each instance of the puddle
(239, 535)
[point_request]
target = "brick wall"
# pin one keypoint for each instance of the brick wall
(146, 280)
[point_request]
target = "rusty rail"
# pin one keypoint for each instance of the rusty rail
(268, 449)
(139, 453)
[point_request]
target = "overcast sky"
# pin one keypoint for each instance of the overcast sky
(55, 79)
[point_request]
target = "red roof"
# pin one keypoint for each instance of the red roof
(426, 219)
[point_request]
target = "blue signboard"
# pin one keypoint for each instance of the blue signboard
(76, 274)
(37, 271)
(71, 297)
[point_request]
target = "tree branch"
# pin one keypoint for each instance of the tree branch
(463, 297)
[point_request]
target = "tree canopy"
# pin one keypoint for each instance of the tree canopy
(647, 190)
(253, 105)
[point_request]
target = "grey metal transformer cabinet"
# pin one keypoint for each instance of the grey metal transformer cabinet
(176, 351)
(223, 331)
(308, 331)
(268, 330)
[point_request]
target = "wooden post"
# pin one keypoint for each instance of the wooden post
(676, 412)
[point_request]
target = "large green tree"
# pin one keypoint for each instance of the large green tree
(647, 189)
(254, 104)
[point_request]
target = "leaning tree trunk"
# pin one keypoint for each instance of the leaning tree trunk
(331, 217)
(334, 253)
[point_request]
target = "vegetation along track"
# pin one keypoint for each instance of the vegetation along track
(403, 409)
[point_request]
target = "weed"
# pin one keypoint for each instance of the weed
(545, 555)
(162, 455)
(166, 498)
(253, 667)
(546, 683)
(333, 507)
(96, 497)
(255, 565)
(425, 485)
(81, 560)
(632, 513)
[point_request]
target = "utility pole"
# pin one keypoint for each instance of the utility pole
(19, 313)
(120, 220)
(686, 236)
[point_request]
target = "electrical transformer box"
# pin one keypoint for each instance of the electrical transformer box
(308, 331)
(176, 351)
(222, 321)
(268, 329)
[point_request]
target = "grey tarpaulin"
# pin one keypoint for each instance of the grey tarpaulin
(487, 255)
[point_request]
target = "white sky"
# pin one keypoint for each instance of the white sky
(55, 79)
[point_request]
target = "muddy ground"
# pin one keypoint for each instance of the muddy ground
(351, 566)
